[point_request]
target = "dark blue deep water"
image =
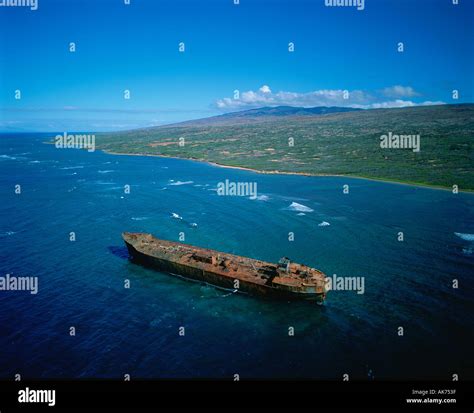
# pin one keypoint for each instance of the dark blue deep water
(135, 330)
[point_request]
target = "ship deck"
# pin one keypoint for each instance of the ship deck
(225, 264)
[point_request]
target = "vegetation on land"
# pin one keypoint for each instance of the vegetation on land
(327, 143)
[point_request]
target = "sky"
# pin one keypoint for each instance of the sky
(342, 56)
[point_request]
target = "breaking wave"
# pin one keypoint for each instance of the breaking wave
(177, 183)
(7, 157)
(261, 198)
(7, 233)
(294, 206)
(465, 237)
(105, 183)
(324, 224)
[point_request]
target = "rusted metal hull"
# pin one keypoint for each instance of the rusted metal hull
(217, 280)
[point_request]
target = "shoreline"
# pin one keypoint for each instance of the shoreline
(276, 172)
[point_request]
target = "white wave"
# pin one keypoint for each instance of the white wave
(465, 237)
(72, 167)
(105, 172)
(34, 162)
(177, 183)
(260, 198)
(176, 216)
(301, 214)
(294, 206)
(139, 218)
(290, 198)
(8, 157)
(7, 233)
(193, 224)
(324, 224)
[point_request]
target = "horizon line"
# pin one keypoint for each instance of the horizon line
(223, 114)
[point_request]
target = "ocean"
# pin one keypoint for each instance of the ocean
(118, 330)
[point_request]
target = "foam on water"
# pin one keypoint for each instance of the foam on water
(295, 206)
(178, 183)
(8, 157)
(7, 233)
(261, 198)
(465, 237)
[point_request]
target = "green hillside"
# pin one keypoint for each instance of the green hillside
(346, 143)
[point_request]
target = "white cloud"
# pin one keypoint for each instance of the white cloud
(431, 103)
(324, 97)
(399, 91)
(399, 103)
(265, 97)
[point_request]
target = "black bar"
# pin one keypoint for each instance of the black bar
(136, 394)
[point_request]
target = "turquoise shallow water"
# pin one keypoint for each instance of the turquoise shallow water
(135, 330)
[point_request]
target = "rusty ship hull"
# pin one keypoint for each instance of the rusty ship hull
(285, 280)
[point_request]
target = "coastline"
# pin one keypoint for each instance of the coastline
(276, 172)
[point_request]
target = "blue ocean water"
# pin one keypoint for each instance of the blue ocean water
(135, 331)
